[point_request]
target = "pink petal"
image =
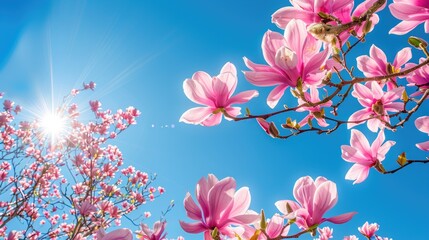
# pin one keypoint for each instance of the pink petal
(192, 210)
(303, 191)
(325, 198)
(271, 42)
(228, 74)
(264, 79)
(195, 92)
(423, 146)
(202, 191)
(368, 66)
(241, 202)
(374, 124)
(340, 219)
(404, 27)
(220, 197)
(360, 116)
(358, 173)
(384, 149)
(243, 97)
(362, 91)
(119, 234)
(245, 218)
(193, 227)
(402, 57)
(378, 55)
(205, 80)
(315, 62)
(232, 111)
(376, 90)
(284, 15)
(407, 11)
(422, 124)
(296, 35)
(212, 120)
(196, 115)
(275, 95)
(359, 141)
(275, 226)
(221, 90)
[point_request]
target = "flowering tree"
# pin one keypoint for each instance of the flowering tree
(310, 56)
(61, 178)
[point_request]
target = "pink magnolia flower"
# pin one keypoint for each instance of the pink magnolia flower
(86, 208)
(296, 55)
(156, 234)
(308, 11)
(368, 230)
(376, 104)
(314, 198)
(325, 233)
(313, 112)
(412, 13)
(422, 124)
(119, 234)
(363, 155)
(220, 206)
(419, 77)
(376, 64)
(216, 94)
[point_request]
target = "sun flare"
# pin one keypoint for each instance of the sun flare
(53, 125)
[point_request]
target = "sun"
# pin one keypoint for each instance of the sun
(53, 125)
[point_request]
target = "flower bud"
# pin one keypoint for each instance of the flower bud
(417, 42)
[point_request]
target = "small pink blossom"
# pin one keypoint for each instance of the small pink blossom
(363, 155)
(368, 230)
(8, 105)
(95, 105)
(216, 94)
(376, 64)
(315, 198)
(275, 227)
(412, 13)
(419, 77)
(325, 233)
(220, 207)
(376, 105)
(291, 57)
(422, 124)
(85, 208)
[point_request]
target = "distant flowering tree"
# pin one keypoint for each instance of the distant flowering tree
(61, 179)
(310, 57)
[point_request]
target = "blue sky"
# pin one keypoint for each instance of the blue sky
(139, 53)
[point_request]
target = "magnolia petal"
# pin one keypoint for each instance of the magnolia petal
(423, 146)
(193, 227)
(325, 198)
(360, 143)
(340, 219)
(282, 206)
(241, 202)
(378, 55)
(196, 93)
(196, 115)
(303, 191)
(220, 197)
(358, 173)
(228, 74)
(119, 234)
(212, 120)
(357, 118)
(422, 124)
(192, 210)
(404, 27)
(275, 95)
(402, 57)
(243, 97)
(264, 79)
(275, 226)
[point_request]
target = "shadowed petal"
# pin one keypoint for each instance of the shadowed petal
(196, 115)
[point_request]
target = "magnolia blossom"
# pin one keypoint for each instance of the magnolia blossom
(313, 112)
(422, 124)
(376, 64)
(220, 207)
(291, 57)
(325, 233)
(156, 234)
(216, 94)
(412, 13)
(376, 104)
(119, 234)
(308, 11)
(363, 155)
(315, 198)
(368, 230)
(419, 77)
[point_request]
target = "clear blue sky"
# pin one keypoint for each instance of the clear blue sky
(139, 53)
